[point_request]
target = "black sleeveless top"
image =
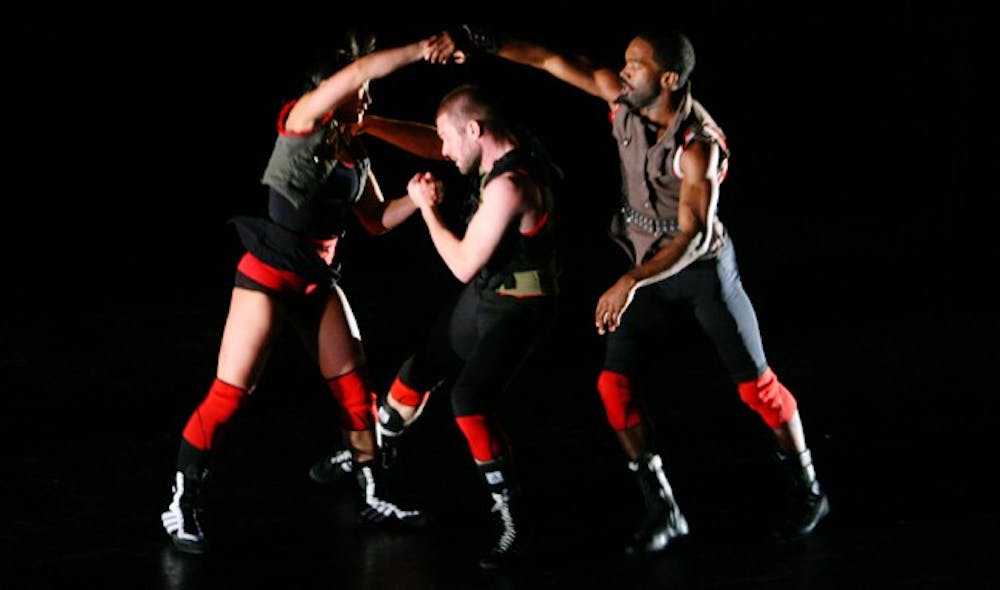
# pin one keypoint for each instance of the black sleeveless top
(518, 252)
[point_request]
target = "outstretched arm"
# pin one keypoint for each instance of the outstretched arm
(602, 82)
(345, 83)
(417, 138)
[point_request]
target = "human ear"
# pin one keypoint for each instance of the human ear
(474, 128)
(668, 80)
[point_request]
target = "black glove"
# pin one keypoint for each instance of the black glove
(472, 38)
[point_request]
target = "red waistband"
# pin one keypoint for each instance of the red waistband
(271, 277)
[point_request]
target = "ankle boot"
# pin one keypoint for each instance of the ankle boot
(390, 426)
(662, 520)
(806, 504)
(506, 505)
(333, 468)
(374, 507)
(182, 518)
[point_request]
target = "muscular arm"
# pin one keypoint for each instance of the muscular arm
(346, 82)
(577, 71)
(417, 138)
(502, 201)
(693, 217)
(695, 214)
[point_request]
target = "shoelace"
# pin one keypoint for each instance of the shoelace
(173, 518)
(379, 506)
(386, 508)
(341, 459)
(501, 504)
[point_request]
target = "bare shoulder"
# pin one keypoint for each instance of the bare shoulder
(695, 156)
(508, 189)
(510, 181)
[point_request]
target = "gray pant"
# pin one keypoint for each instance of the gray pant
(712, 290)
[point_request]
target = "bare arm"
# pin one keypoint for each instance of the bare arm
(502, 201)
(692, 213)
(346, 82)
(376, 214)
(577, 71)
(695, 213)
(417, 138)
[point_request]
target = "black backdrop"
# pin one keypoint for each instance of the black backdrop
(858, 197)
(854, 130)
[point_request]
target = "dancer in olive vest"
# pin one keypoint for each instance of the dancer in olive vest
(318, 174)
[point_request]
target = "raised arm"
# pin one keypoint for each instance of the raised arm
(344, 84)
(579, 71)
(576, 70)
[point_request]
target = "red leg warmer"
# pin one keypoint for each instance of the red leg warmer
(355, 399)
(405, 394)
(484, 440)
(616, 393)
(769, 398)
(215, 410)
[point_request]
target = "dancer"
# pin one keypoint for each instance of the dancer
(673, 158)
(317, 176)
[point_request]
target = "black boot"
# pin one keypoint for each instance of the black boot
(374, 507)
(662, 520)
(507, 550)
(333, 468)
(806, 504)
(390, 426)
(182, 518)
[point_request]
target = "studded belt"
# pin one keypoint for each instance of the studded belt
(649, 224)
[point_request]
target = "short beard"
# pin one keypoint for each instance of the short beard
(629, 103)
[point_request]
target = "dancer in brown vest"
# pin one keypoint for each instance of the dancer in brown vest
(673, 158)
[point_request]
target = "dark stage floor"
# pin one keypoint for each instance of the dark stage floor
(898, 407)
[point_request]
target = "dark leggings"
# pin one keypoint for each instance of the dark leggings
(713, 291)
(481, 340)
